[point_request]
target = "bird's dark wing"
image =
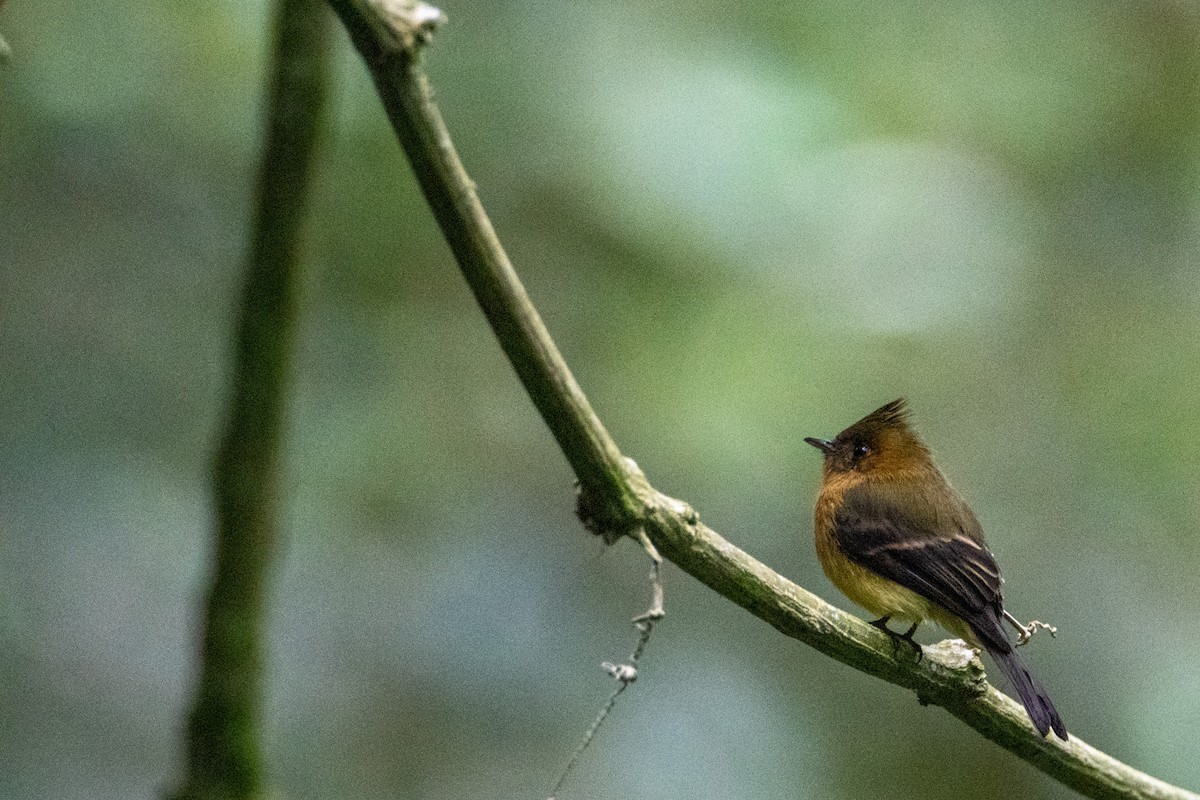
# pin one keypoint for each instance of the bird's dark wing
(932, 545)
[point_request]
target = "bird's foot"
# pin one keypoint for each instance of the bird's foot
(896, 638)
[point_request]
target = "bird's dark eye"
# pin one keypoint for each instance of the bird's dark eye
(860, 451)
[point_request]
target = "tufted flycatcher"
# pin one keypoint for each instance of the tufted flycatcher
(898, 540)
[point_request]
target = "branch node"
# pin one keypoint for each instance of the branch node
(603, 518)
(411, 22)
(679, 508)
(958, 663)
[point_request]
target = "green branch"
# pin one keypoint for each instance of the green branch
(386, 34)
(223, 740)
(615, 497)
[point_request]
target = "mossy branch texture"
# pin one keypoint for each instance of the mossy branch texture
(615, 497)
(223, 739)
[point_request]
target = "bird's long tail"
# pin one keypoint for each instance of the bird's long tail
(1041, 711)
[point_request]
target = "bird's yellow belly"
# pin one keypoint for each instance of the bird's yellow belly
(880, 596)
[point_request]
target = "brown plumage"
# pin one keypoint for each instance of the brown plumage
(898, 540)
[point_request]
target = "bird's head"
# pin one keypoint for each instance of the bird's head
(881, 441)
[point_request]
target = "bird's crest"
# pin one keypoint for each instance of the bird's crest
(893, 415)
(890, 424)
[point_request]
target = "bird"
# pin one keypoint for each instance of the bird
(897, 539)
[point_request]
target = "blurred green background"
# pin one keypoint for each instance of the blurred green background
(744, 224)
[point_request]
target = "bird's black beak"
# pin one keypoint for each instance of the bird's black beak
(824, 445)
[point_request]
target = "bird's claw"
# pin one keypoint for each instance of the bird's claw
(896, 638)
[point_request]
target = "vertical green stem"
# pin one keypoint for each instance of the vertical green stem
(223, 741)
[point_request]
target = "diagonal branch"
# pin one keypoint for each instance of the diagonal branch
(388, 33)
(615, 497)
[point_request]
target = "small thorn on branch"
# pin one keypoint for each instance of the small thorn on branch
(1025, 632)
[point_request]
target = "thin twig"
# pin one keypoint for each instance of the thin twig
(625, 674)
(655, 611)
(1025, 632)
(616, 493)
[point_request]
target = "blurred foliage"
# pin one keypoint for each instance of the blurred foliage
(744, 224)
